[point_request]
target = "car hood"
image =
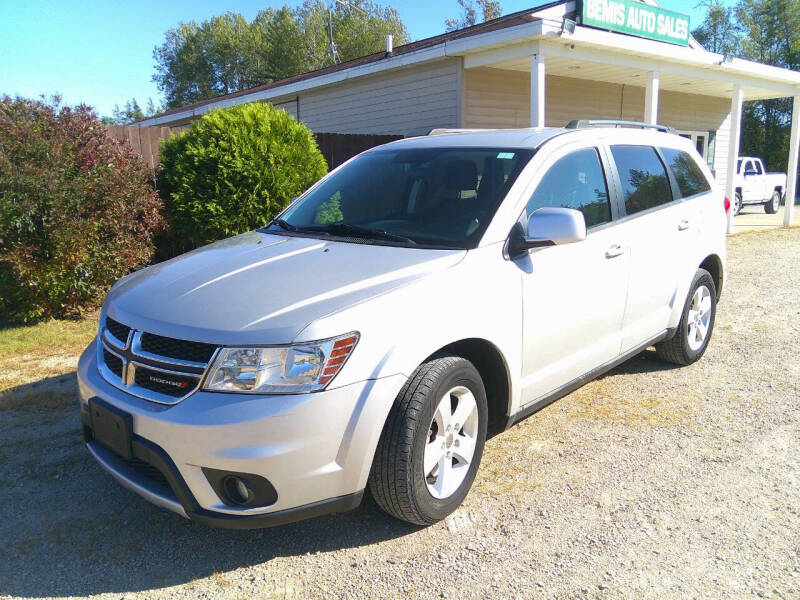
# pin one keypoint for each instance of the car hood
(262, 288)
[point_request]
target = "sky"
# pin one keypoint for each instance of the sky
(101, 51)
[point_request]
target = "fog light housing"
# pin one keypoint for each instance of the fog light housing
(237, 490)
(241, 490)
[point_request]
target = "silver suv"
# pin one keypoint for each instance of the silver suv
(424, 293)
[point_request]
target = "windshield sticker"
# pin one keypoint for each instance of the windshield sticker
(506, 155)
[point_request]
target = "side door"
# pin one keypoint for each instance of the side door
(761, 180)
(751, 185)
(573, 294)
(654, 228)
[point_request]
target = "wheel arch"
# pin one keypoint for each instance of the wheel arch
(713, 264)
(493, 369)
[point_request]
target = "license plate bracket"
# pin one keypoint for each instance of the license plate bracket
(112, 427)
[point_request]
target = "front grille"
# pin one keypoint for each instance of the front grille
(168, 384)
(113, 362)
(178, 349)
(153, 367)
(117, 329)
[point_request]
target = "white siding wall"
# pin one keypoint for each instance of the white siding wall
(405, 101)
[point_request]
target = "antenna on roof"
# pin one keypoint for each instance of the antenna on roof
(333, 51)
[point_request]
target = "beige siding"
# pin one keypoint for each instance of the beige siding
(411, 100)
(501, 98)
(290, 106)
(721, 150)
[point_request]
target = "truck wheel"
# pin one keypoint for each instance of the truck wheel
(432, 443)
(697, 323)
(737, 203)
(773, 204)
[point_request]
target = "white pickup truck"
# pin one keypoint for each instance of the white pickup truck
(754, 185)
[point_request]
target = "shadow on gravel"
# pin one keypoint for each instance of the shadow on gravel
(644, 362)
(68, 529)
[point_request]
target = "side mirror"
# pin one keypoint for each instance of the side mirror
(549, 226)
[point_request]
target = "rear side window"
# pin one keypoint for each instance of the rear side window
(643, 177)
(690, 178)
(575, 181)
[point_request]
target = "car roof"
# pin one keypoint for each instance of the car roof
(480, 138)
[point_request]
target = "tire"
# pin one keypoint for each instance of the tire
(737, 203)
(683, 348)
(773, 205)
(397, 481)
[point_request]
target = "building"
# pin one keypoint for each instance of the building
(589, 59)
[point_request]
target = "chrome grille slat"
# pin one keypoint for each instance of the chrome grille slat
(155, 377)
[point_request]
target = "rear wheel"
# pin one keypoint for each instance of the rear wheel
(697, 323)
(773, 204)
(432, 442)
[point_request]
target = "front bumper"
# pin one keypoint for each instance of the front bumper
(316, 449)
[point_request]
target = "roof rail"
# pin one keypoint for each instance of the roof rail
(448, 131)
(583, 123)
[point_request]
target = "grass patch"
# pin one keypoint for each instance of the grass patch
(37, 362)
(48, 337)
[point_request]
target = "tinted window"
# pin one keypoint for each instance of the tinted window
(690, 178)
(757, 167)
(643, 177)
(430, 196)
(575, 181)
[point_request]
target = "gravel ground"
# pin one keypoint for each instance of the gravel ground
(652, 481)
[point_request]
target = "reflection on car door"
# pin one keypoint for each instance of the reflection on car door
(573, 294)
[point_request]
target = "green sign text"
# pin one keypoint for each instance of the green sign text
(636, 18)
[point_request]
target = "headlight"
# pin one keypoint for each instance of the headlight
(306, 367)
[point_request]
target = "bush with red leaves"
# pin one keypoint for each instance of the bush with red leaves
(77, 210)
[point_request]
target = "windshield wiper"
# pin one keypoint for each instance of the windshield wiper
(362, 232)
(284, 225)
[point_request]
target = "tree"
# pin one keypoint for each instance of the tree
(718, 31)
(489, 9)
(131, 113)
(227, 53)
(767, 31)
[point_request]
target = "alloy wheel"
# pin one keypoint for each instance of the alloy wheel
(699, 318)
(451, 442)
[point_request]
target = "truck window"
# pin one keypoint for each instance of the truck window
(758, 168)
(643, 177)
(575, 181)
(690, 178)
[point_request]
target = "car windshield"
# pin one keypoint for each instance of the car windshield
(433, 197)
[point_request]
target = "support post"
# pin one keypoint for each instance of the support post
(651, 99)
(537, 90)
(791, 171)
(733, 147)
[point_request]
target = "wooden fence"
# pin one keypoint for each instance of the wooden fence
(339, 147)
(143, 140)
(335, 147)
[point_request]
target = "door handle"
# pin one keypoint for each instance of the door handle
(684, 225)
(614, 251)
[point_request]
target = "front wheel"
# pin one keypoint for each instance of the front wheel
(773, 204)
(432, 443)
(697, 323)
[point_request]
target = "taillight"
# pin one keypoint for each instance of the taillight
(727, 205)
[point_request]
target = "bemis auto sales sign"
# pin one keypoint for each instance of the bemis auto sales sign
(636, 18)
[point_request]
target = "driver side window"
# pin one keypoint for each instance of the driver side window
(575, 181)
